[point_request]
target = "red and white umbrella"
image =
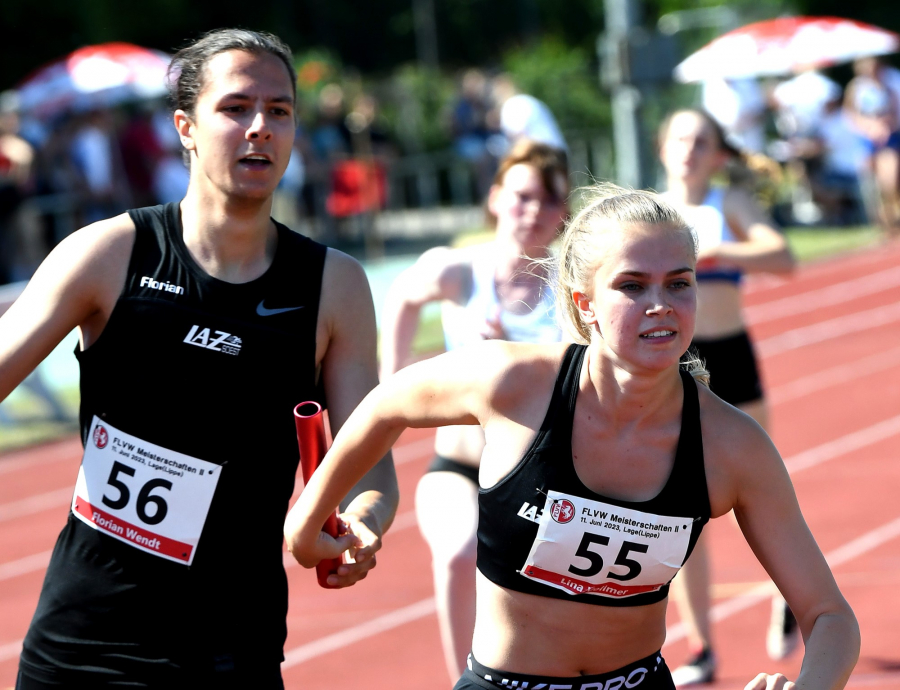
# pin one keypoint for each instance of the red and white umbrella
(786, 45)
(95, 76)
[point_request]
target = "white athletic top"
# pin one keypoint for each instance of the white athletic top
(712, 229)
(524, 116)
(804, 99)
(464, 325)
(874, 98)
(738, 105)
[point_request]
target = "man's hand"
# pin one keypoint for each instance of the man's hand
(366, 541)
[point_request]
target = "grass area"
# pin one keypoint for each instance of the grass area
(31, 421)
(30, 433)
(819, 243)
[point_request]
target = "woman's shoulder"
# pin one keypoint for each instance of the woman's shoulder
(522, 369)
(735, 450)
(504, 368)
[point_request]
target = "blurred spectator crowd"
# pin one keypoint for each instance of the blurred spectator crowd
(69, 170)
(840, 148)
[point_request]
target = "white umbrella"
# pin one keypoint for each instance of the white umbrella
(785, 45)
(95, 76)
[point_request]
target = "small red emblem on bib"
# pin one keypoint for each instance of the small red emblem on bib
(562, 511)
(101, 438)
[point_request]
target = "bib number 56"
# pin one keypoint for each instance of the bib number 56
(144, 497)
(596, 560)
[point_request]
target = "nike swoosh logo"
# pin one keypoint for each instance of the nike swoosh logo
(262, 311)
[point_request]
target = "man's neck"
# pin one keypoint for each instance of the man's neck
(233, 240)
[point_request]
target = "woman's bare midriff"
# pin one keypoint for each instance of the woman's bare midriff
(534, 635)
(461, 443)
(718, 310)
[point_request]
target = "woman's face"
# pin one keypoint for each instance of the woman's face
(526, 212)
(690, 149)
(644, 296)
(242, 130)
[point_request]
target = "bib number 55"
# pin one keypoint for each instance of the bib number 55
(144, 498)
(588, 539)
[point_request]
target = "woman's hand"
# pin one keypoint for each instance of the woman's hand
(324, 547)
(361, 553)
(493, 326)
(766, 681)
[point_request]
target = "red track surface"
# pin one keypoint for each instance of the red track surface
(831, 362)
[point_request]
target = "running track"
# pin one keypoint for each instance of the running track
(830, 346)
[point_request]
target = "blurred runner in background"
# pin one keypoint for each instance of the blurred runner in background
(489, 291)
(735, 237)
(739, 106)
(872, 100)
(525, 117)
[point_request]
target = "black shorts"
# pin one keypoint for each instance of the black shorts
(731, 363)
(650, 673)
(442, 464)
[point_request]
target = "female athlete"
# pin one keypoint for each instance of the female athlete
(490, 291)
(735, 237)
(602, 463)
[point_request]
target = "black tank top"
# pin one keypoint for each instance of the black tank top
(211, 370)
(542, 531)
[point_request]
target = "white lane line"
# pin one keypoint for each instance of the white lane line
(828, 330)
(24, 460)
(818, 269)
(864, 543)
(414, 450)
(843, 445)
(22, 566)
(10, 651)
(404, 521)
(409, 452)
(726, 609)
(763, 592)
(857, 680)
(869, 679)
(345, 639)
(795, 463)
(35, 504)
(835, 376)
(838, 293)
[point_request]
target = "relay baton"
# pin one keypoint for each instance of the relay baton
(311, 439)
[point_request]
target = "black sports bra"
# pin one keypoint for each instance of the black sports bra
(542, 531)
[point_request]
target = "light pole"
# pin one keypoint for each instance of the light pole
(426, 33)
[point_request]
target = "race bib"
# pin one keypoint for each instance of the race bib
(588, 547)
(147, 496)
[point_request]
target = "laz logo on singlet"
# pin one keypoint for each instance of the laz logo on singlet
(220, 341)
(530, 512)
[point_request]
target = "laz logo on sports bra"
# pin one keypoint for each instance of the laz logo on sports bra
(607, 551)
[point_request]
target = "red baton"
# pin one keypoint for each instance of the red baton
(311, 439)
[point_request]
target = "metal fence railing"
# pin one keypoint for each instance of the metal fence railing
(427, 186)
